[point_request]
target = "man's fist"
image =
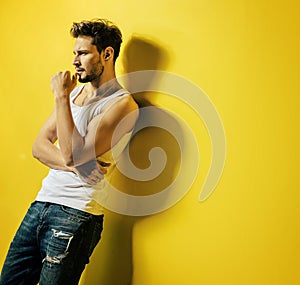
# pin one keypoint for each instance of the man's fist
(62, 84)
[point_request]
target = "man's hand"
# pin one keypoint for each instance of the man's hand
(91, 172)
(62, 84)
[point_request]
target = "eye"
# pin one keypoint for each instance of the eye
(82, 52)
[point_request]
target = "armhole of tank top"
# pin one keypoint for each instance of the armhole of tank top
(75, 92)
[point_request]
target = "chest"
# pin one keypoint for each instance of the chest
(81, 98)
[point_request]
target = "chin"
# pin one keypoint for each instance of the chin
(83, 79)
(87, 78)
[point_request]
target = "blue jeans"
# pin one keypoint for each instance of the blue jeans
(52, 246)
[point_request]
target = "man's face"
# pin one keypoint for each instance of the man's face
(87, 60)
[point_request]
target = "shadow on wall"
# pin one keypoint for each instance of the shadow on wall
(112, 260)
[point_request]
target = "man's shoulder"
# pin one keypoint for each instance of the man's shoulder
(125, 101)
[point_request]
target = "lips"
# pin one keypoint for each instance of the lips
(79, 70)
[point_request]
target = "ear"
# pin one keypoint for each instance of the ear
(108, 53)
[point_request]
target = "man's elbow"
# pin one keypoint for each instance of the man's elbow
(69, 162)
(35, 150)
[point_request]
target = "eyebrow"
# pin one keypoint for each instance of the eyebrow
(80, 50)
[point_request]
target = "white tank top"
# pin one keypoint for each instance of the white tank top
(66, 188)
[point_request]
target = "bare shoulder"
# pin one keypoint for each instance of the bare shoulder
(128, 102)
(124, 104)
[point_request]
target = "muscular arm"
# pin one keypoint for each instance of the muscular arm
(76, 149)
(46, 152)
(106, 130)
(43, 148)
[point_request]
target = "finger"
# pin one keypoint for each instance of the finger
(97, 174)
(88, 180)
(74, 78)
(85, 177)
(95, 179)
(103, 169)
(103, 163)
(91, 182)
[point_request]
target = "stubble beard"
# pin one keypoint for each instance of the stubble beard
(91, 77)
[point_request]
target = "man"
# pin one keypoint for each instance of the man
(92, 124)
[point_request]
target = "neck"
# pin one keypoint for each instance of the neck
(105, 78)
(102, 88)
(108, 88)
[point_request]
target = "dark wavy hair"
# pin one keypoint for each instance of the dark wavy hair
(104, 34)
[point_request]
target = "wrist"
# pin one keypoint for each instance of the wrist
(61, 97)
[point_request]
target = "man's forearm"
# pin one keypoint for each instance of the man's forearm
(49, 154)
(70, 141)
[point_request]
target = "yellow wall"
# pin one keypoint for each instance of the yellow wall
(245, 56)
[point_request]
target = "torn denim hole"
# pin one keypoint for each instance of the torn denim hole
(61, 235)
(56, 259)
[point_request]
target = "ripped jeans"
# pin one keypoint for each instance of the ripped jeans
(52, 246)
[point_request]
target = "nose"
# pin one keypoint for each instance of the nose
(76, 61)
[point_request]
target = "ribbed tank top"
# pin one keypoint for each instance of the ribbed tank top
(66, 188)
